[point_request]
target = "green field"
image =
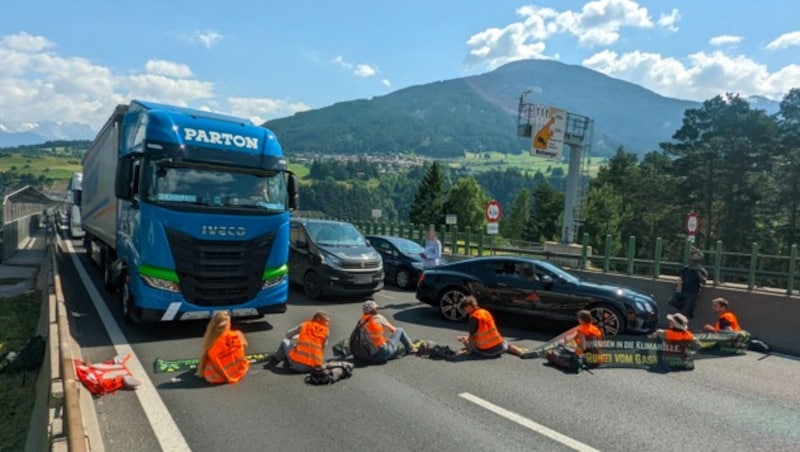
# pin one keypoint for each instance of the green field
(54, 166)
(485, 161)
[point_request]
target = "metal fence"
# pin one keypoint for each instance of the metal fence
(22, 215)
(751, 270)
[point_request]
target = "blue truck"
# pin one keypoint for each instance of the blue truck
(186, 213)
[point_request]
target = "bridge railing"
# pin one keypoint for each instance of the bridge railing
(751, 270)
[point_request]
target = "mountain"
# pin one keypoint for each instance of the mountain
(480, 113)
(762, 103)
(17, 134)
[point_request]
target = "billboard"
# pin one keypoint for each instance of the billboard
(547, 134)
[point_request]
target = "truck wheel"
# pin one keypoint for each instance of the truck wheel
(129, 306)
(108, 272)
(311, 285)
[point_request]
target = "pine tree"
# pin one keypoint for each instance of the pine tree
(467, 200)
(514, 226)
(428, 205)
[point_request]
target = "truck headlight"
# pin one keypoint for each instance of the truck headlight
(161, 284)
(274, 281)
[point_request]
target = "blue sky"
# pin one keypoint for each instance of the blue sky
(72, 61)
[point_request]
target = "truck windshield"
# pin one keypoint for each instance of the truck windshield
(216, 188)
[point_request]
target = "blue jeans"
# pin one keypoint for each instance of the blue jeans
(390, 349)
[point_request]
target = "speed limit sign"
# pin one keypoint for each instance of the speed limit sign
(493, 211)
(692, 224)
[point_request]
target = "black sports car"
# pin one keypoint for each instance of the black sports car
(536, 288)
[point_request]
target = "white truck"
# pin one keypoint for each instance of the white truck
(72, 207)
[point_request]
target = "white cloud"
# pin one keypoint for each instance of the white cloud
(38, 84)
(168, 68)
(385, 82)
(365, 70)
(599, 22)
(723, 40)
(785, 40)
(206, 38)
(670, 20)
(260, 110)
(362, 70)
(703, 76)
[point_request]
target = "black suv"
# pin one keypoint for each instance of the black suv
(333, 258)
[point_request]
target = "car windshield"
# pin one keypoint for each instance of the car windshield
(557, 272)
(407, 246)
(335, 234)
(216, 188)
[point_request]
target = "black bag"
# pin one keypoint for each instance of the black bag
(330, 373)
(361, 346)
(564, 358)
(29, 358)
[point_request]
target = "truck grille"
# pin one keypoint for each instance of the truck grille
(219, 272)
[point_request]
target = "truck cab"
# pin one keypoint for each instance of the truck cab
(72, 207)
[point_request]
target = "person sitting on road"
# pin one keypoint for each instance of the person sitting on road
(483, 339)
(377, 326)
(587, 331)
(677, 330)
(303, 349)
(433, 249)
(223, 359)
(678, 335)
(727, 321)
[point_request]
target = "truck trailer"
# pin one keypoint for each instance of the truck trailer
(186, 213)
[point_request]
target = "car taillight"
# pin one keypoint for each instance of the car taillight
(421, 278)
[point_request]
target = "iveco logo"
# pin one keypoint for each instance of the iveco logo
(224, 231)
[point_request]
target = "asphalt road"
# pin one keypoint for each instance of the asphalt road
(738, 403)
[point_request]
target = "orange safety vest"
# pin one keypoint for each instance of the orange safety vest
(732, 320)
(675, 335)
(310, 348)
(590, 332)
(375, 330)
(487, 336)
(225, 360)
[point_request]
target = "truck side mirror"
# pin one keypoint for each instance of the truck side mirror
(122, 188)
(294, 195)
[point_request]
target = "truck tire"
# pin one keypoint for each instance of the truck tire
(129, 315)
(109, 284)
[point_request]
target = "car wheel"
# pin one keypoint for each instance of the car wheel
(449, 302)
(129, 306)
(608, 319)
(403, 278)
(311, 285)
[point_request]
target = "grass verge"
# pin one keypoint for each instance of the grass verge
(18, 320)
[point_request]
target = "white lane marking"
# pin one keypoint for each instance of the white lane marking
(525, 422)
(164, 427)
(30, 243)
(169, 314)
(380, 294)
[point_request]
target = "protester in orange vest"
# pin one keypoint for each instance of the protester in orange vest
(223, 359)
(377, 326)
(304, 345)
(483, 338)
(727, 321)
(677, 330)
(678, 335)
(586, 331)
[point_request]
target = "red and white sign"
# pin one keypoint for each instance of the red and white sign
(493, 212)
(692, 224)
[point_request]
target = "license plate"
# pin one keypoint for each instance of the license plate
(362, 279)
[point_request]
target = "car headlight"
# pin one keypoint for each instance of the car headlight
(330, 259)
(644, 306)
(161, 284)
(418, 265)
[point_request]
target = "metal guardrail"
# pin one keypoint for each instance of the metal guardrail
(754, 270)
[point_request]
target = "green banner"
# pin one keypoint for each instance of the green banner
(161, 366)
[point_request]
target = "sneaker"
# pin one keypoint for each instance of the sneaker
(529, 355)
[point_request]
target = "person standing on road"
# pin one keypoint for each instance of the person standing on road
(483, 339)
(223, 359)
(377, 326)
(692, 279)
(727, 321)
(433, 249)
(303, 349)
